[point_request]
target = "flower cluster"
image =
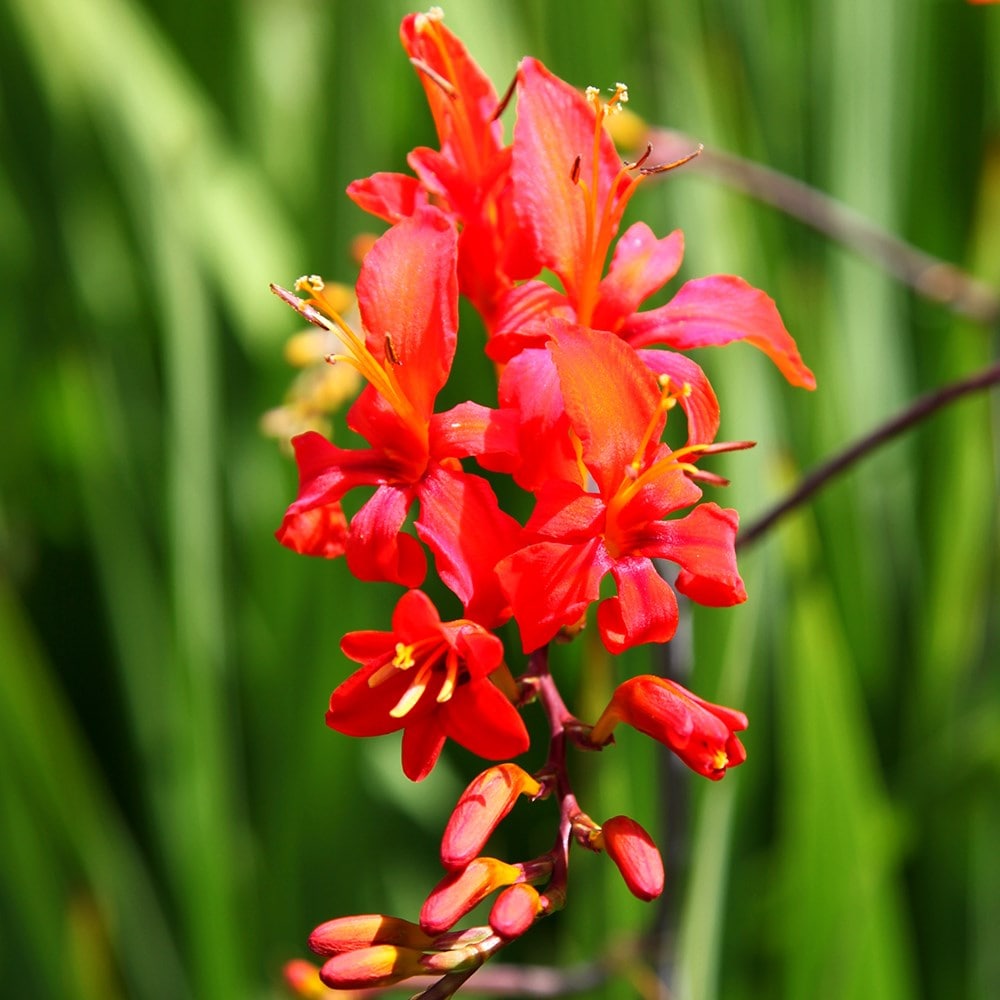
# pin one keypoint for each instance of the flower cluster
(528, 233)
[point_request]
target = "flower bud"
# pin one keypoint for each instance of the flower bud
(700, 733)
(633, 851)
(367, 968)
(363, 930)
(460, 891)
(483, 805)
(515, 910)
(303, 979)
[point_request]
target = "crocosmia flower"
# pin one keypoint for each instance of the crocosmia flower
(430, 679)
(703, 735)
(570, 192)
(407, 296)
(618, 513)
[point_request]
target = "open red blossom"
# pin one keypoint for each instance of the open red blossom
(468, 177)
(407, 296)
(577, 535)
(430, 679)
(570, 192)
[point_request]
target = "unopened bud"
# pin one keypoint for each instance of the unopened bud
(483, 805)
(460, 891)
(461, 959)
(633, 851)
(515, 910)
(363, 930)
(367, 968)
(303, 979)
(700, 733)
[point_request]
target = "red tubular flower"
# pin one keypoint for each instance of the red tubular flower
(487, 800)
(634, 853)
(407, 296)
(363, 930)
(468, 177)
(703, 735)
(370, 968)
(430, 679)
(576, 537)
(570, 192)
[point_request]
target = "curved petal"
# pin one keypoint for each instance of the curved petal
(645, 609)
(551, 584)
(530, 386)
(415, 617)
(564, 512)
(318, 531)
(357, 709)
(519, 320)
(482, 720)
(462, 524)
(642, 265)
(473, 429)
(611, 397)
(388, 196)
(555, 125)
(700, 405)
(423, 740)
(713, 311)
(408, 293)
(367, 645)
(703, 544)
(377, 549)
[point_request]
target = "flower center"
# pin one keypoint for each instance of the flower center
(428, 659)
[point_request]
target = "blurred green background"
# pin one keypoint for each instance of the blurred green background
(174, 815)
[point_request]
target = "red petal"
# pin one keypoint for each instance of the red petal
(555, 125)
(415, 617)
(356, 709)
(701, 407)
(481, 719)
(703, 544)
(388, 196)
(462, 524)
(713, 311)
(565, 513)
(642, 265)
(423, 740)
(610, 395)
(408, 291)
(551, 585)
(473, 429)
(519, 319)
(645, 609)
(377, 549)
(319, 531)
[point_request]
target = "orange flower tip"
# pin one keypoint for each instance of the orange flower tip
(635, 855)
(302, 978)
(515, 910)
(371, 968)
(481, 808)
(344, 934)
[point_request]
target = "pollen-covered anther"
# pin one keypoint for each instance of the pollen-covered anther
(311, 283)
(390, 351)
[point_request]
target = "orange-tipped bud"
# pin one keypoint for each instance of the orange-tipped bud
(633, 851)
(479, 811)
(700, 733)
(303, 979)
(367, 968)
(515, 910)
(460, 891)
(364, 930)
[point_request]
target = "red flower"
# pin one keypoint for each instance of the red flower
(430, 679)
(468, 177)
(570, 192)
(576, 536)
(703, 735)
(407, 297)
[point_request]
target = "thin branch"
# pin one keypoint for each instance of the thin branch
(912, 415)
(929, 276)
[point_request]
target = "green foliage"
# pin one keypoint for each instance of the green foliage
(174, 815)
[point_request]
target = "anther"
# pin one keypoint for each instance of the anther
(435, 76)
(390, 351)
(574, 174)
(662, 168)
(504, 101)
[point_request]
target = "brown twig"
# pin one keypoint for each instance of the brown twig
(912, 415)
(929, 276)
